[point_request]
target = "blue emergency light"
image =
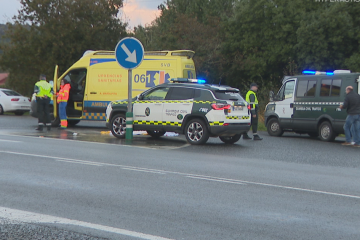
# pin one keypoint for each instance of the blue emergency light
(310, 72)
(188, 80)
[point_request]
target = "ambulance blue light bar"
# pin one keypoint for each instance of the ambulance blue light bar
(187, 80)
(309, 72)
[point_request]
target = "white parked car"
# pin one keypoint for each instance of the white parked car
(11, 101)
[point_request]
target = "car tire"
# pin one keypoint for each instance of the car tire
(156, 134)
(231, 140)
(73, 122)
(118, 126)
(326, 132)
(1, 110)
(196, 132)
(273, 127)
(19, 113)
(55, 122)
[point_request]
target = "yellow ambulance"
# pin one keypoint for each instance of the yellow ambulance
(96, 79)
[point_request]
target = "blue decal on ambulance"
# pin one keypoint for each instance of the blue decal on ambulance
(94, 61)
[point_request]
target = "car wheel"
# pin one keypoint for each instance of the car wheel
(118, 126)
(273, 128)
(73, 122)
(55, 122)
(326, 132)
(231, 140)
(156, 134)
(196, 132)
(1, 110)
(19, 113)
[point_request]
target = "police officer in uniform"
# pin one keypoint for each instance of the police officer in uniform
(44, 93)
(254, 108)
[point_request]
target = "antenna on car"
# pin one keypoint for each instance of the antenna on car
(220, 81)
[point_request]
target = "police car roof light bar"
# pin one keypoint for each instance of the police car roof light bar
(309, 72)
(187, 80)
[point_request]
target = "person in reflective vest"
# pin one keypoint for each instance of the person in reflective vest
(44, 94)
(251, 98)
(62, 99)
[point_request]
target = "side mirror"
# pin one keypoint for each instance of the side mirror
(271, 96)
(139, 97)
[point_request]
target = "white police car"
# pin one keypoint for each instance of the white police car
(185, 106)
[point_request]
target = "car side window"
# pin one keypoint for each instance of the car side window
(306, 88)
(180, 93)
(156, 94)
(330, 87)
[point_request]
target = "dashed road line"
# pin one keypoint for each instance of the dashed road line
(204, 177)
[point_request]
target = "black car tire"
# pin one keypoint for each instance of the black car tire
(273, 128)
(55, 122)
(156, 134)
(1, 110)
(326, 132)
(73, 122)
(231, 140)
(118, 125)
(196, 132)
(19, 113)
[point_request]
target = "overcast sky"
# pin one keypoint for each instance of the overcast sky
(135, 11)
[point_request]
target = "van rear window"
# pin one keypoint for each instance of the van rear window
(228, 95)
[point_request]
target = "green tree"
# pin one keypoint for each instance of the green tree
(326, 37)
(49, 32)
(194, 25)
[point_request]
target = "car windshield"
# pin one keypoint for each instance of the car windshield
(228, 95)
(11, 93)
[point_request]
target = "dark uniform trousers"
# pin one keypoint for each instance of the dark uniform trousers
(254, 122)
(43, 110)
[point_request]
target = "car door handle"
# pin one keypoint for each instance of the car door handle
(93, 92)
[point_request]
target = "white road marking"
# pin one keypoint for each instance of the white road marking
(80, 162)
(4, 140)
(193, 175)
(58, 139)
(216, 180)
(31, 217)
(139, 170)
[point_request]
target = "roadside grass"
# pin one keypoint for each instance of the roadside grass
(261, 126)
(11, 113)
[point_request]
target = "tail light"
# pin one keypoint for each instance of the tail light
(15, 99)
(29, 99)
(220, 106)
(249, 107)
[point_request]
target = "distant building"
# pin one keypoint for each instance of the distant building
(3, 78)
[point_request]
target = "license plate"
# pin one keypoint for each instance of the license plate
(237, 108)
(25, 107)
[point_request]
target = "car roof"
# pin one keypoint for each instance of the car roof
(211, 87)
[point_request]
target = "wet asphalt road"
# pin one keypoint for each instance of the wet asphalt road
(292, 187)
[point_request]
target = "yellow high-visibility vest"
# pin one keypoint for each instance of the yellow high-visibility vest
(252, 104)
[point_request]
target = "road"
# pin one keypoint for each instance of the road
(89, 185)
